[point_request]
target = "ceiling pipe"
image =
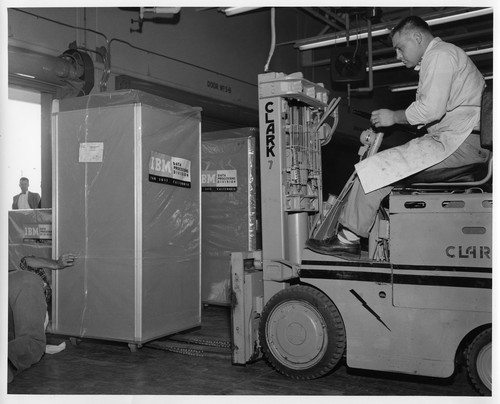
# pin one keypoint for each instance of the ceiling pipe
(159, 10)
(72, 71)
(370, 61)
(369, 68)
(44, 68)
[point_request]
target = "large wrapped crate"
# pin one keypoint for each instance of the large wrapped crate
(30, 234)
(126, 200)
(230, 209)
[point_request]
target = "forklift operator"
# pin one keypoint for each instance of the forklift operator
(448, 104)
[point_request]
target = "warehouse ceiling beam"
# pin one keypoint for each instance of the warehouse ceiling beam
(319, 16)
(384, 28)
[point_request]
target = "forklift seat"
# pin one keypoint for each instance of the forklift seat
(472, 175)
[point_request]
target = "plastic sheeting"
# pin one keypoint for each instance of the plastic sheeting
(229, 207)
(127, 203)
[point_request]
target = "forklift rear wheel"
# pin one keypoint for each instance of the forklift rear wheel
(479, 362)
(302, 333)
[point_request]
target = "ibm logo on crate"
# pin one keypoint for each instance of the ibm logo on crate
(38, 231)
(219, 181)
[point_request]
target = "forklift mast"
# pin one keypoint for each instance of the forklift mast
(291, 111)
(292, 129)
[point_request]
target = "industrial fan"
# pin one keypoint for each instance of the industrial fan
(348, 64)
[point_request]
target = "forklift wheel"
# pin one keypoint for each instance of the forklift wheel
(302, 333)
(479, 362)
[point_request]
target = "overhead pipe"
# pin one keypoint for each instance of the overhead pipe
(159, 10)
(45, 68)
(370, 61)
(73, 65)
(370, 67)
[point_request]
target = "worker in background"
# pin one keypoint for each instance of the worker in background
(448, 104)
(26, 199)
(29, 296)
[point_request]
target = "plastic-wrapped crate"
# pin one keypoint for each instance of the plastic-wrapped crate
(230, 209)
(127, 201)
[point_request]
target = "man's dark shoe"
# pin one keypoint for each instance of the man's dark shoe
(333, 246)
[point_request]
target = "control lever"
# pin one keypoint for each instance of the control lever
(362, 114)
(368, 116)
(365, 115)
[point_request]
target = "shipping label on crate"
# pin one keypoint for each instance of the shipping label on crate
(219, 181)
(91, 152)
(169, 170)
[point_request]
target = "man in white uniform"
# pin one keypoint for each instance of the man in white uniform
(448, 105)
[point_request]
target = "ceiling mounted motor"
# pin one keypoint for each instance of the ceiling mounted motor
(81, 70)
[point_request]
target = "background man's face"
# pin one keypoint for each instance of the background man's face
(24, 185)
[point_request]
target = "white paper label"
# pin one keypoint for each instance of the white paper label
(91, 152)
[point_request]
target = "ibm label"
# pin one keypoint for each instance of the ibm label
(169, 170)
(219, 181)
(37, 231)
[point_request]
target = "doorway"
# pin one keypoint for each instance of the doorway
(22, 128)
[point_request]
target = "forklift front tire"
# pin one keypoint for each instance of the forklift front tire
(302, 333)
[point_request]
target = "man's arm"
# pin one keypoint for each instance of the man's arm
(65, 260)
(387, 117)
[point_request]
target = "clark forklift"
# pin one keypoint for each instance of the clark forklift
(418, 301)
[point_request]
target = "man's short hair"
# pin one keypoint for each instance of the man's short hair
(409, 23)
(23, 179)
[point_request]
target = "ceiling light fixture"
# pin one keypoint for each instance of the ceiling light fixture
(400, 64)
(479, 51)
(29, 76)
(386, 66)
(404, 88)
(385, 31)
(409, 87)
(238, 10)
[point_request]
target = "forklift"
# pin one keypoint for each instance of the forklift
(418, 300)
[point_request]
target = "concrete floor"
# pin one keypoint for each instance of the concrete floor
(96, 367)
